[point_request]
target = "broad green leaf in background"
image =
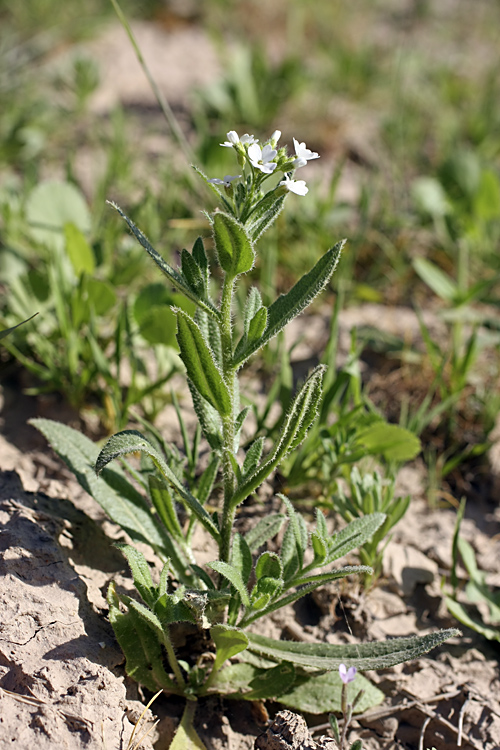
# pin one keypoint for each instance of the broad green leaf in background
(318, 694)
(50, 206)
(78, 250)
(437, 280)
(393, 442)
(430, 197)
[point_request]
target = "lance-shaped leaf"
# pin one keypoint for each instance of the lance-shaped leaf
(353, 536)
(234, 576)
(131, 441)
(234, 248)
(141, 646)
(300, 417)
(363, 656)
(140, 573)
(200, 365)
(174, 276)
(208, 417)
(192, 274)
(291, 304)
(266, 528)
(201, 259)
(263, 214)
(112, 490)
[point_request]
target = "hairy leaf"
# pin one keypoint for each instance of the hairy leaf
(291, 304)
(363, 656)
(234, 248)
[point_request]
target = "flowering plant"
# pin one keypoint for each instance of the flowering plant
(163, 502)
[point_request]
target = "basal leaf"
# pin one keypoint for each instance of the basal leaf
(271, 683)
(140, 573)
(131, 441)
(186, 737)
(112, 490)
(229, 642)
(354, 535)
(363, 656)
(318, 694)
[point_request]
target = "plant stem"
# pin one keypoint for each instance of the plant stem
(172, 660)
(229, 373)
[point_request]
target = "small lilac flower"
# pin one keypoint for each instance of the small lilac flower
(262, 158)
(347, 675)
(226, 181)
(298, 187)
(303, 154)
(233, 139)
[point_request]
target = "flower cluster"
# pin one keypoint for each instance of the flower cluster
(266, 159)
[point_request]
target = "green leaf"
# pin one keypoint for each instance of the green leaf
(257, 325)
(363, 656)
(201, 259)
(241, 557)
(112, 490)
(6, 331)
(200, 365)
(78, 250)
(265, 529)
(440, 283)
(302, 414)
(291, 304)
(140, 573)
(174, 276)
(264, 214)
(271, 683)
(234, 678)
(234, 577)
(268, 565)
(142, 649)
(430, 197)
(318, 694)
(333, 575)
(192, 274)
(165, 506)
(487, 198)
(229, 642)
(354, 535)
(299, 529)
(101, 295)
(253, 456)
(394, 443)
(461, 614)
(234, 248)
(50, 206)
(186, 737)
(131, 441)
(208, 417)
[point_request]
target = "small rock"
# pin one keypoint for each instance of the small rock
(408, 567)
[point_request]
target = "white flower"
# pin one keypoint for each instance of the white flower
(347, 675)
(303, 154)
(275, 137)
(262, 158)
(226, 181)
(233, 139)
(298, 187)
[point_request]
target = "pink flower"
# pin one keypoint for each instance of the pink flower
(347, 675)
